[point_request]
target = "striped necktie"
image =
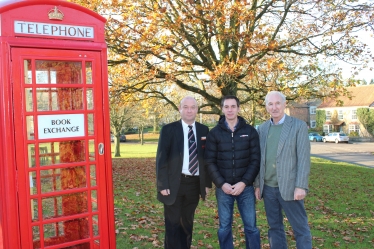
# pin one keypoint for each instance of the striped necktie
(193, 165)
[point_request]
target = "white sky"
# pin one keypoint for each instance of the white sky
(366, 37)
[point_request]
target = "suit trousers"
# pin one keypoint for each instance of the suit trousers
(180, 215)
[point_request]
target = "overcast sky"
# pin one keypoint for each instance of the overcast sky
(367, 74)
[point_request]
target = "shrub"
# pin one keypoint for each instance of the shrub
(353, 134)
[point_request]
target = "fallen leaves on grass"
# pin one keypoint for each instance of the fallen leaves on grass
(340, 218)
(134, 188)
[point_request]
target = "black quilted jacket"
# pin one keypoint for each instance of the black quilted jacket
(233, 157)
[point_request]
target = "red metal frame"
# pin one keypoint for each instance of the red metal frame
(13, 176)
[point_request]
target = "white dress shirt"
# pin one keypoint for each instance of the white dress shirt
(186, 153)
(281, 121)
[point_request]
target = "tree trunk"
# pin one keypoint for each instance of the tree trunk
(155, 124)
(229, 88)
(117, 152)
(253, 116)
(141, 132)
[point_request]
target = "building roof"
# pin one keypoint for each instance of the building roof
(361, 96)
(304, 103)
(294, 104)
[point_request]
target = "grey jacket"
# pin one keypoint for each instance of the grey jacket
(293, 157)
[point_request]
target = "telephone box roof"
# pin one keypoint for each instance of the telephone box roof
(6, 5)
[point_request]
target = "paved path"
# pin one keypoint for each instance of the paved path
(356, 153)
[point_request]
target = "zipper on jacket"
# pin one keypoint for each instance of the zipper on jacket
(233, 154)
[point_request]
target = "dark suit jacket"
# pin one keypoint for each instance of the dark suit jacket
(169, 160)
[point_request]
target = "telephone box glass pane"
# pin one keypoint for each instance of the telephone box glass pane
(89, 72)
(70, 151)
(69, 99)
(58, 72)
(91, 148)
(49, 153)
(89, 96)
(27, 71)
(52, 207)
(66, 231)
(44, 155)
(50, 180)
(31, 155)
(30, 127)
(35, 235)
(93, 175)
(33, 183)
(59, 99)
(97, 243)
(34, 210)
(64, 205)
(53, 233)
(95, 223)
(63, 179)
(94, 200)
(46, 99)
(29, 103)
(90, 124)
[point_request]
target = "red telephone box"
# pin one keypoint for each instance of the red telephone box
(55, 175)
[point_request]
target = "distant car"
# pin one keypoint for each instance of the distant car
(122, 138)
(315, 137)
(111, 138)
(336, 137)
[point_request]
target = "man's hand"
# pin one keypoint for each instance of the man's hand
(165, 192)
(238, 188)
(227, 188)
(258, 194)
(207, 191)
(299, 194)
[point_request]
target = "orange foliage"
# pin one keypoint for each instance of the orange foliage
(245, 48)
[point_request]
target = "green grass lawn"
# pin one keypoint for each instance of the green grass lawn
(340, 206)
(136, 150)
(132, 148)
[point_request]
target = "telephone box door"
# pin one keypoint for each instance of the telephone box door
(58, 117)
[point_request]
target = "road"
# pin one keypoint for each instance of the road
(356, 153)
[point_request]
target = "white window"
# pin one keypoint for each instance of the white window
(313, 110)
(328, 115)
(354, 128)
(354, 114)
(340, 115)
(327, 129)
(312, 124)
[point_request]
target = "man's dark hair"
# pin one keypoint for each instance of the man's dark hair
(230, 97)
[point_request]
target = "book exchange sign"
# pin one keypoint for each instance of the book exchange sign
(60, 126)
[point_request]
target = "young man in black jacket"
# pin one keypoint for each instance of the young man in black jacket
(233, 155)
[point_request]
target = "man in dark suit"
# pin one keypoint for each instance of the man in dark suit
(181, 173)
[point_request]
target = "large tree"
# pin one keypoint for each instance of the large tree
(242, 47)
(320, 119)
(120, 116)
(366, 117)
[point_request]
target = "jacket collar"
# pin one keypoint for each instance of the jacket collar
(222, 123)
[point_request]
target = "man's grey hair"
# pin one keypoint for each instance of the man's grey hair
(275, 92)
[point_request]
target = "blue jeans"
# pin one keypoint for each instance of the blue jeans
(246, 205)
(296, 215)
